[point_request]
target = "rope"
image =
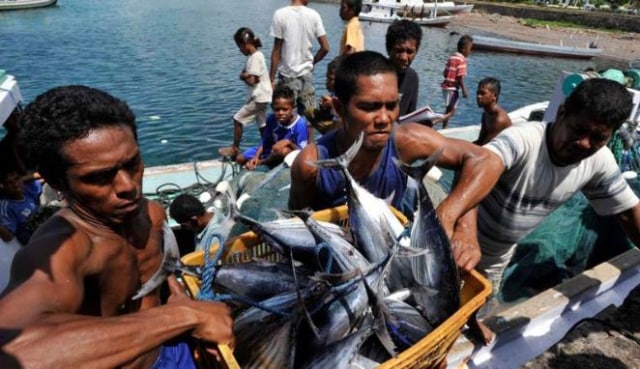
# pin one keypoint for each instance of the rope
(208, 271)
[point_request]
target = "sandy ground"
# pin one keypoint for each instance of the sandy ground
(618, 46)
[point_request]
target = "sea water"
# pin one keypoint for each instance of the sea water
(176, 64)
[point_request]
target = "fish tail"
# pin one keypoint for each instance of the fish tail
(419, 168)
(342, 161)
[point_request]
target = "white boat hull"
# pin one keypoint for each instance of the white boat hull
(390, 15)
(25, 4)
(530, 48)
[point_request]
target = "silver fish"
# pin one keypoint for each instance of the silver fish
(340, 354)
(266, 336)
(436, 287)
(346, 256)
(373, 225)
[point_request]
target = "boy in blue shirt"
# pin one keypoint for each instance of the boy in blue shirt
(19, 198)
(285, 131)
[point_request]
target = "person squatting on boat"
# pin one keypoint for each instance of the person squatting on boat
(72, 285)
(189, 212)
(543, 164)
(19, 199)
(285, 132)
(367, 100)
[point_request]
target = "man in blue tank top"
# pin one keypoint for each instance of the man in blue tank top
(367, 101)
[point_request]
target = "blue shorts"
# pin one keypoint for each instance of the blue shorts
(175, 356)
(251, 152)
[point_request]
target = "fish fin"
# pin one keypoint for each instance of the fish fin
(408, 252)
(342, 161)
(389, 199)
(301, 305)
(380, 314)
(170, 260)
(419, 168)
(336, 278)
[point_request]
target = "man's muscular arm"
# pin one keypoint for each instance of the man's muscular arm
(110, 342)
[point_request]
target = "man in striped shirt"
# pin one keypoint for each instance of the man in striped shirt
(545, 164)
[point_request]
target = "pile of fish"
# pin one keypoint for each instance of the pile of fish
(339, 298)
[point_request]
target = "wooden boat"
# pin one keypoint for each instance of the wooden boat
(532, 48)
(410, 8)
(389, 15)
(25, 4)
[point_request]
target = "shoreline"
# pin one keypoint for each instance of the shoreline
(618, 47)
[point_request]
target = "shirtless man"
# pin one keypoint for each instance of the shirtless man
(367, 100)
(69, 302)
(494, 118)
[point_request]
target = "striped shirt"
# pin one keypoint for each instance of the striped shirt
(456, 67)
(532, 187)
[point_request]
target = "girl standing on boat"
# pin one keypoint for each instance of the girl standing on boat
(256, 76)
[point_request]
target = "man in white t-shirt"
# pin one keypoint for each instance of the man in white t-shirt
(545, 164)
(294, 28)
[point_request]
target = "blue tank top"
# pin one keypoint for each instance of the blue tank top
(385, 180)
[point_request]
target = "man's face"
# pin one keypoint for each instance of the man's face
(372, 109)
(105, 174)
(403, 53)
(283, 110)
(576, 138)
(485, 97)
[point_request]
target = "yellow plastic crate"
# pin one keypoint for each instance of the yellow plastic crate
(429, 352)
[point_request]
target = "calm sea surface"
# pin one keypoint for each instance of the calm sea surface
(176, 64)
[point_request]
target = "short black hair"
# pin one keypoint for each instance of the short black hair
(363, 63)
(402, 30)
(64, 114)
(601, 100)
(335, 62)
(493, 84)
(355, 5)
(245, 35)
(184, 207)
(284, 92)
(464, 41)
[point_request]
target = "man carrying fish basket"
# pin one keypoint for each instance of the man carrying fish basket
(69, 303)
(366, 98)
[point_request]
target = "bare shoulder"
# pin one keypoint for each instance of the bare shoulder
(414, 141)
(47, 275)
(156, 212)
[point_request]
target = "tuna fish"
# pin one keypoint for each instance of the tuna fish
(436, 287)
(374, 227)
